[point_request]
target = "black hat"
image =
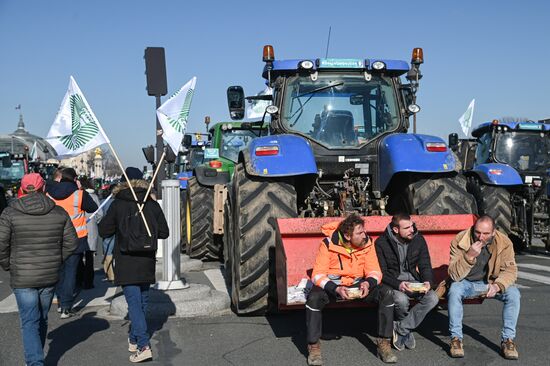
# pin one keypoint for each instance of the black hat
(132, 173)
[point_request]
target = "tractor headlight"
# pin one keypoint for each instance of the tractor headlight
(378, 65)
(306, 64)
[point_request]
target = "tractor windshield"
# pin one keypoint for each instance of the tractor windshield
(233, 141)
(12, 173)
(524, 151)
(340, 111)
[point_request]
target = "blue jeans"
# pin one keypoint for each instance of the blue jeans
(466, 289)
(67, 280)
(34, 304)
(137, 297)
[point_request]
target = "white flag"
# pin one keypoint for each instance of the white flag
(75, 129)
(173, 115)
(467, 117)
(34, 152)
(256, 108)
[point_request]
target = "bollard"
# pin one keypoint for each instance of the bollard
(171, 276)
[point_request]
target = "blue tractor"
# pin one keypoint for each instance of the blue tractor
(508, 170)
(337, 144)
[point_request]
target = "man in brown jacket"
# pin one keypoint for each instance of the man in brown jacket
(482, 264)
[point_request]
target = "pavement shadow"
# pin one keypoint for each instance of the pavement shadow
(159, 310)
(101, 286)
(337, 323)
(436, 325)
(71, 334)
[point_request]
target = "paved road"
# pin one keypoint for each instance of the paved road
(91, 338)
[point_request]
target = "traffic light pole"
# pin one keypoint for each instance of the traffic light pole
(160, 148)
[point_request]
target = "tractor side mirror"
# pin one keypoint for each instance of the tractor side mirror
(453, 141)
(149, 153)
(235, 102)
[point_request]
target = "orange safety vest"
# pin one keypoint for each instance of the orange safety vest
(72, 205)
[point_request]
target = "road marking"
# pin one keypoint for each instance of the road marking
(536, 256)
(534, 277)
(8, 305)
(534, 266)
(521, 286)
(215, 276)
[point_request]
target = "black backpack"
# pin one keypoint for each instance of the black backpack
(134, 234)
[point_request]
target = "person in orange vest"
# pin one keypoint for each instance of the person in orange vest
(76, 202)
(347, 268)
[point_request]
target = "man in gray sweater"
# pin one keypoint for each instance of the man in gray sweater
(36, 236)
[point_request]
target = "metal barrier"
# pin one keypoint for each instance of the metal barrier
(171, 272)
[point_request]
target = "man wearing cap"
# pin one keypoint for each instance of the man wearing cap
(76, 202)
(36, 237)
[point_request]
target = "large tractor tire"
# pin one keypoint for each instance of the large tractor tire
(255, 204)
(431, 195)
(183, 221)
(495, 202)
(201, 243)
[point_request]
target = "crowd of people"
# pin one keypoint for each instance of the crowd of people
(63, 221)
(48, 239)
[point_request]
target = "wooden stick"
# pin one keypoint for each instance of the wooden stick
(131, 189)
(154, 177)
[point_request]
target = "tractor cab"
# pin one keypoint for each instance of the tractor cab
(524, 146)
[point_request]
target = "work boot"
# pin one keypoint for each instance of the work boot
(314, 354)
(142, 355)
(509, 350)
(384, 350)
(457, 351)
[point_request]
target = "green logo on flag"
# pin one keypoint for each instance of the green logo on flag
(179, 123)
(84, 127)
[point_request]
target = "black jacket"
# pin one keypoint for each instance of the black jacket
(136, 267)
(36, 236)
(418, 259)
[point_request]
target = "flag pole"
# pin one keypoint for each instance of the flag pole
(154, 177)
(131, 188)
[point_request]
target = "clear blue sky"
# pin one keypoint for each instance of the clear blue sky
(495, 51)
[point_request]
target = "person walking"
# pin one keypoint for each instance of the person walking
(93, 237)
(36, 237)
(134, 264)
(76, 202)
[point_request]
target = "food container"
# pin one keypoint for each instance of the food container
(417, 287)
(354, 292)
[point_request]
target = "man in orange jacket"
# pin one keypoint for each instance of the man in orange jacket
(347, 268)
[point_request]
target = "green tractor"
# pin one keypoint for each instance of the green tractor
(206, 189)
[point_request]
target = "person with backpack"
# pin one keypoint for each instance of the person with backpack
(135, 253)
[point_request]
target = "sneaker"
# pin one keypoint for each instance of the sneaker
(384, 350)
(410, 342)
(457, 350)
(398, 341)
(509, 350)
(59, 309)
(66, 313)
(314, 357)
(132, 347)
(142, 355)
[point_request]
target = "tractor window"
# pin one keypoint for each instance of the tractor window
(483, 150)
(340, 110)
(524, 151)
(13, 173)
(233, 141)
